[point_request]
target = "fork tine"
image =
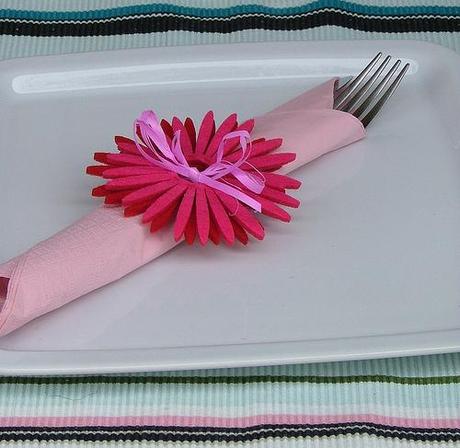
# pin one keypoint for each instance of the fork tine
(352, 79)
(367, 102)
(343, 92)
(384, 98)
(354, 100)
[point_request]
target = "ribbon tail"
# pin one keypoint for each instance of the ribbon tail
(234, 192)
(248, 180)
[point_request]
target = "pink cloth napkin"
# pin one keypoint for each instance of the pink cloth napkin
(105, 246)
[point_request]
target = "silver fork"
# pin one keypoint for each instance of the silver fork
(364, 95)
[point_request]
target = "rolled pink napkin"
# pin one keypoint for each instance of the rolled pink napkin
(105, 246)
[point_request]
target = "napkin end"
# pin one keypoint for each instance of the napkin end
(4, 281)
(6, 271)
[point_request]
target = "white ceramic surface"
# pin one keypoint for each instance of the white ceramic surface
(369, 267)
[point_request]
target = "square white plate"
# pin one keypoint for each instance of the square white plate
(369, 267)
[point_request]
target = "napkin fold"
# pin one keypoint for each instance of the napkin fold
(105, 246)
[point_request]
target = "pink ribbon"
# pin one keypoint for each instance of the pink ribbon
(171, 157)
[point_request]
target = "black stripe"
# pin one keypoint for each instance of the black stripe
(157, 23)
(226, 379)
(203, 434)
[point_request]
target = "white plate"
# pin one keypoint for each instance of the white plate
(368, 268)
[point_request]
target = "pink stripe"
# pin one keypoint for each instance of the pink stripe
(240, 422)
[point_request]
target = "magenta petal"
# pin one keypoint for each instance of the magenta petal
(99, 192)
(97, 170)
(191, 131)
(273, 211)
(247, 125)
(272, 161)
(137, 209)
(214, 234)
(227, 126)
(184, 212)
(202, 214)
(270, 209)
(242, 215)
(125, 159)
(161, 220)
(137, 181)
(125, 144)
(190, 229)
(280, 197)
(232, 144)
(115, 197)
(280, 182)
(126, 171)
(185, 142)
(265, 147)
(150, 192)
(220, 217)
(164, 201)
(167, 129)
(240, 233)
(249, 222)
(205, 133)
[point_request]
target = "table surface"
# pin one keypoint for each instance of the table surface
(367, 403)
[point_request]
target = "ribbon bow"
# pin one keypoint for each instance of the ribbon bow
(171, 157)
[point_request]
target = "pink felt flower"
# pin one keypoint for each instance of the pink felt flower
(208, 181)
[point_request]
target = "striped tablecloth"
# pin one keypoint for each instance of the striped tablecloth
(388, 403)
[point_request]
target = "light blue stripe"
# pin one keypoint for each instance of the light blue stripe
(23, 46)
(279, 395)
(227, 12)
(62, 400)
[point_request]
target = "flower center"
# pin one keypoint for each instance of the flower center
(199, 162)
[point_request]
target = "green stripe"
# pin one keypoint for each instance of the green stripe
(109, 379)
